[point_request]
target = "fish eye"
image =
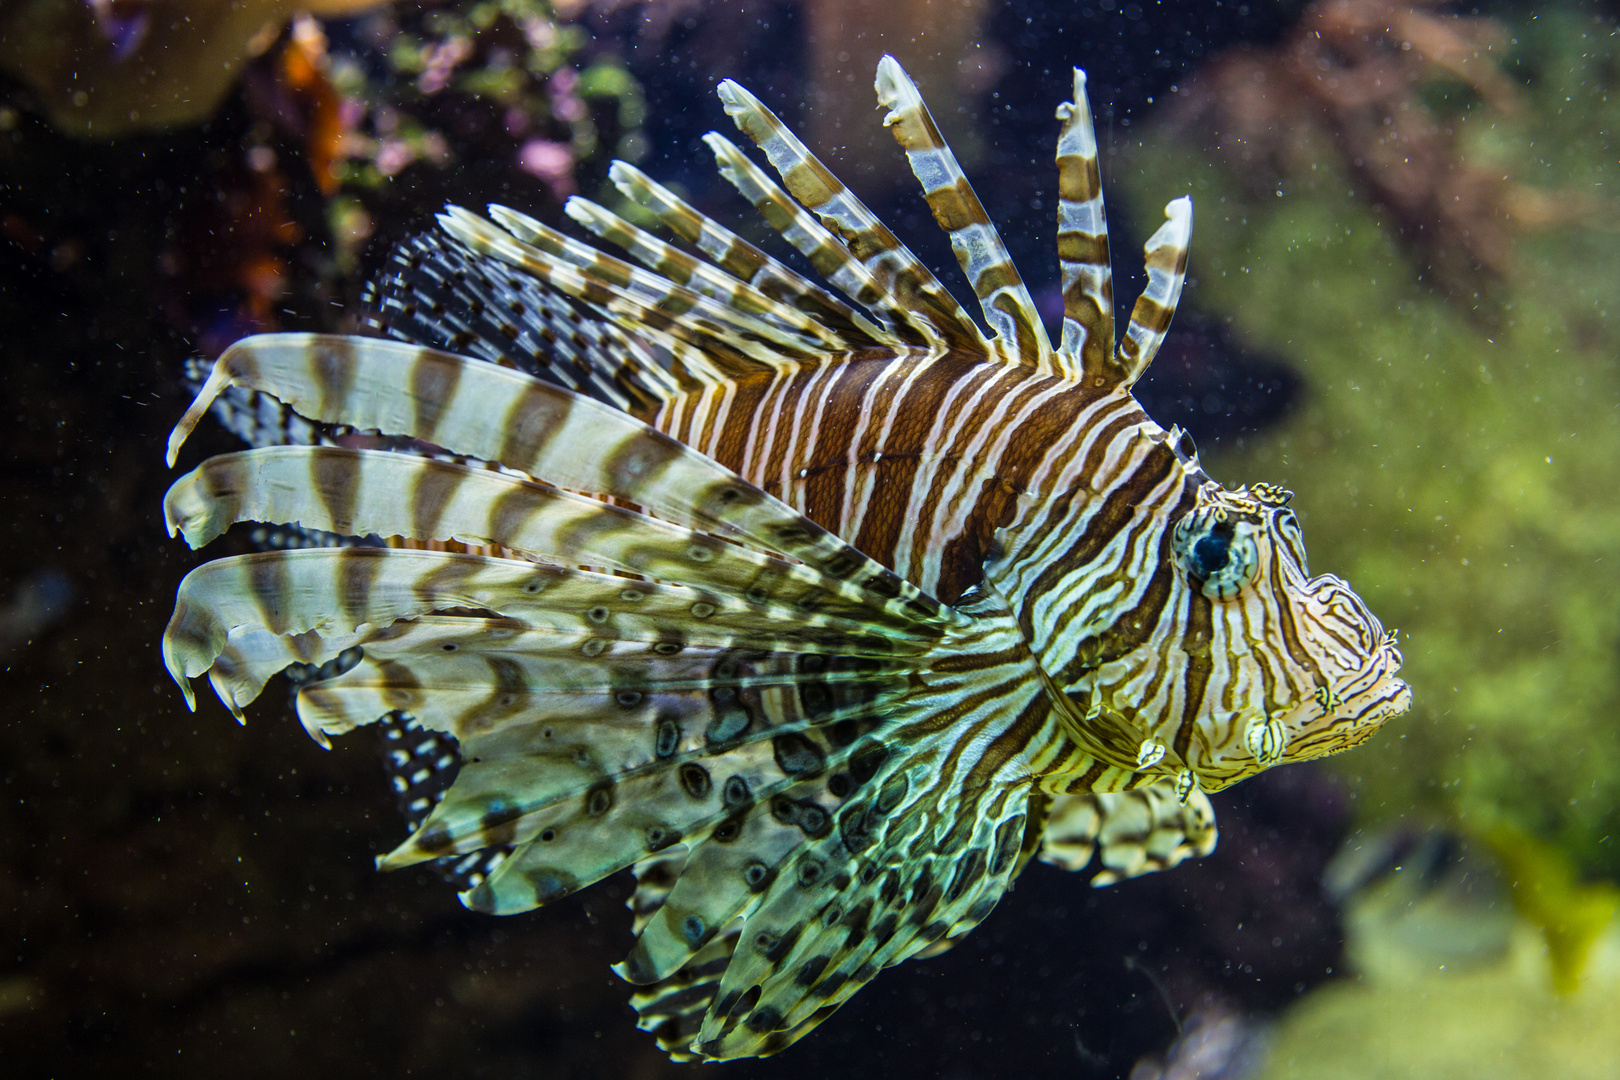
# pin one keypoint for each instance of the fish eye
(1216, 553)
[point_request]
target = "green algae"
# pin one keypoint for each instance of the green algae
(1572, 915)
(1499, 1020)
(1456, 457)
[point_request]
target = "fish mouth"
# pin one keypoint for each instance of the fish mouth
(1349, 712)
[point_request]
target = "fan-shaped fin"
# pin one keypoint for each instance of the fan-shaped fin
(589, 758)
(744, 261)
(1166, 252)
(242, 619)
(435, 292)
(1007, 305)
(1131, 832)
(817, 938)
(545, 431)
(891, 263)
(367, 492)
(1087, 346)
(472, 677)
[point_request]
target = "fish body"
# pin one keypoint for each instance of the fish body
(825, 613)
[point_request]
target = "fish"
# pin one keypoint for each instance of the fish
(823, 608)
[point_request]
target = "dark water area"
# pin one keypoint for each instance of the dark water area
(184, 897)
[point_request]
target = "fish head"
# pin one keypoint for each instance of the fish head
(1270, 664)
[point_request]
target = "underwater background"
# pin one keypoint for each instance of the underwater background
(1404, 254)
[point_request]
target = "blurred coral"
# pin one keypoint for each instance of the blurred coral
(313, 139)
(104, 68)
(1381, 84)
(942, 43)
(493, 82)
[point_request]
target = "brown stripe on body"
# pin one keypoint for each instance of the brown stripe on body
(1195, 642)
(919, 416)
(1025, 449)
(1013, 740)
(828, 456)
(913, 409)
(1131, 629)
(730, 442)
(961, 563)
(1113, 516)
(1034, 444)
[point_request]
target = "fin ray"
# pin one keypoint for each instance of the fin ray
(1003, 297)
(900, 273)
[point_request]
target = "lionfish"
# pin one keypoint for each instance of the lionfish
(824, 615)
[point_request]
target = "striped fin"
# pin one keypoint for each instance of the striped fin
(829, 923)
(1007, 305)
(743, 260)
(1166, 252)
(1130, 832)
(371, 492)
(811, 239)
(842, 852)
(493, 679)
(847, 829)
(1087, 347)
(672, 1009)
(697, 274)
(921, 852)
(710, 343)
(309, 605)
(436, 292)
(908, 283)
(547, 432)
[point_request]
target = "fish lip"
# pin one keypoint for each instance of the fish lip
(1380, 695)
